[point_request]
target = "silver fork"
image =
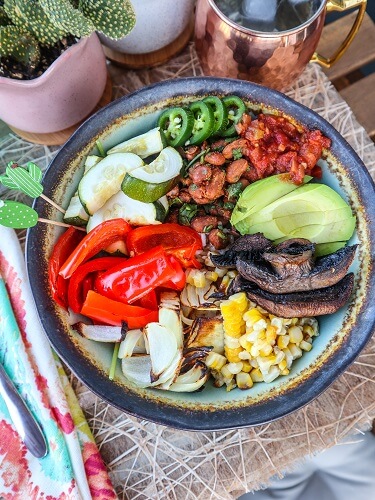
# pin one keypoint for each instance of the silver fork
(23, 420)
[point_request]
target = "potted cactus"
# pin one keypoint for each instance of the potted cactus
(52, 67)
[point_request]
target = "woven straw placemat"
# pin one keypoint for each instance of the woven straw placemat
(149, 461)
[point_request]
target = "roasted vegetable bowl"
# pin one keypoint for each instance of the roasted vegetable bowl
(259, 306)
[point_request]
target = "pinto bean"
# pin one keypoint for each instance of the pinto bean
(224, 214)
(236, 169)
(186, 181)
(210, 190)
(174, 192)
(215, 158)
(218, 238)
(191, 152)
(242, 144)
(172, 216)
(201, 222)
(219, 144)
(214, 188)
(200, 173)
(184, 196)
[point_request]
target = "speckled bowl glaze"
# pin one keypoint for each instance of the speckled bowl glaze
(158, 23)
(62, 96)
(342, 335)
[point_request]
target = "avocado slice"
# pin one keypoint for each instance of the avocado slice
(293, 220)
(313, 211)
(336, 231)
(327, 248)
(262, 193)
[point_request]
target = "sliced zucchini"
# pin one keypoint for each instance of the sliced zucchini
(135, 212)
(164, 168)
(75, 213)
(162, 208)
(150, 182)
(143, 145)
(104, 179)
(91, 161)
(146, 191)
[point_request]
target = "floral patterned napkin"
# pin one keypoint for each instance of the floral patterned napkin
(73, 468)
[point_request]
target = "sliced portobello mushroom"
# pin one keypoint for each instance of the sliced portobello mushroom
(295, 275)
(298, 304)
(246, 247)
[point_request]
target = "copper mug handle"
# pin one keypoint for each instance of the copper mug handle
(340, 6)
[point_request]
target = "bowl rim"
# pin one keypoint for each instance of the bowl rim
(150, 409)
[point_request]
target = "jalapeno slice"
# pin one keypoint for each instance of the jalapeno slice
(203, 122)
(176, 125)
(236, 108)
(220, 114)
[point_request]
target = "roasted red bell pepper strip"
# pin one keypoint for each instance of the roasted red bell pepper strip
(134, 279)
(61, 251)
(76, 293)
(180, 241)
(178, 281)
(96, 240)
(112, 312)
(149, 301)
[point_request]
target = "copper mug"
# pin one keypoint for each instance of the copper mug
(274, 58)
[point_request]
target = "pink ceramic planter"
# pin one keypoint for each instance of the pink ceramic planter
(63, 96)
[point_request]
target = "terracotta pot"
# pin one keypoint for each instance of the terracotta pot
(163, 28)
(62, 96)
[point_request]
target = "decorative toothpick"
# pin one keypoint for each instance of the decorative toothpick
(27, 180)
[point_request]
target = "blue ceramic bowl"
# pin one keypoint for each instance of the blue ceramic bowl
(342, 335)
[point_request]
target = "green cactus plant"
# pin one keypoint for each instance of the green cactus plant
(23, 47)
(39, 23)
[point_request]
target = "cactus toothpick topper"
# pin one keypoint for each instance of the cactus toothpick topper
(27, 180)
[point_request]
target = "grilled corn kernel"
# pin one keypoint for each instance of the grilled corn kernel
(196, 277)
(246, 367)
(256, 375)
(283, 364)
(232, 342)
(295, 351)
(305, 346)
(271, 334)
(212, 275)
(232, 355)
(283, 341)
(295, 334)
(231, 385)
(252, 316)
(215, 361)
(226, 373)
(235, 368)
(265, 350)
(288, 356)
(273, 373)
(244, 380)
(244, 355)
(265, 363)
